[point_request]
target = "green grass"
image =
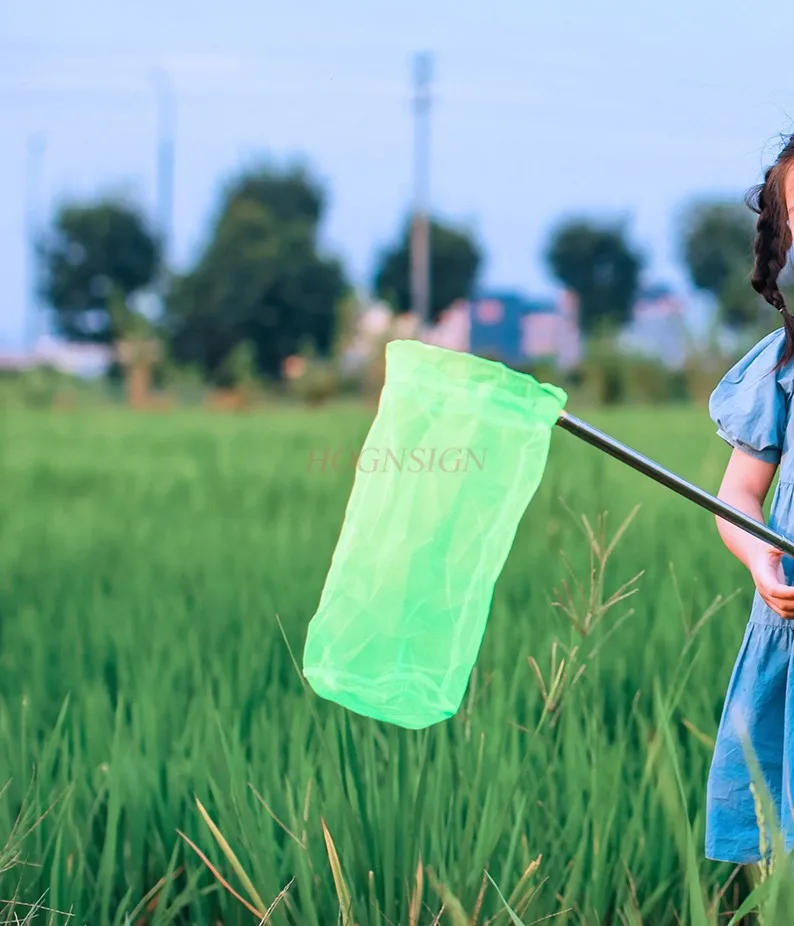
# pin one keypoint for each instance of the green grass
(147, 692)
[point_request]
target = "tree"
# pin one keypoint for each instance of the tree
(717, 250)
(600, 266)
(260, 280)
(455, 260)
(741, 308)
(94, 255)
(291, 196)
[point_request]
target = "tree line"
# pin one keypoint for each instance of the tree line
(262, 280)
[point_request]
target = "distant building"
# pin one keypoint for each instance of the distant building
(513, 328)
(372, 328)
(85, 360)
(504, 326)
(453, 328)
(658, 301)
(658, 326)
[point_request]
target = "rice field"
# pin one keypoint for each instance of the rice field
(161, 761)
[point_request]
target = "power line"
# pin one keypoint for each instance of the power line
(137, 91)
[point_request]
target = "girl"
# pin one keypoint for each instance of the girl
(752, 410)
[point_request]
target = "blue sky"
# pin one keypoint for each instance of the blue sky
(541, 111)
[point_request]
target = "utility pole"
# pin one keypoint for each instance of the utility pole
(420, 226)
(166, 121)
(34, 172)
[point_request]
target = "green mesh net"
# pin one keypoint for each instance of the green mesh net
(453, 457)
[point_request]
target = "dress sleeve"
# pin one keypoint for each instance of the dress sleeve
(750, 405)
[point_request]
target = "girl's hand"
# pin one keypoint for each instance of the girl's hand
(766, 568)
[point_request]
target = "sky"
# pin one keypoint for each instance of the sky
(606, 109)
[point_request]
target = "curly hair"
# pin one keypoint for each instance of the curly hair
(773, 239)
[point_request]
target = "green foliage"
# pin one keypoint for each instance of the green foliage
(44, 387)
(33, 388)
(455, 259)
(290, 196)
(185, 383)
(126, 323)
(93, 252)
(142, 668)
(260, 279)
(318, 383)
(717, 240)
(239, 368)
(609, 376)
(741, 308)
(599, 265)
(347, 317)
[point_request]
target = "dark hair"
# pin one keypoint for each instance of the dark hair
(773, 239)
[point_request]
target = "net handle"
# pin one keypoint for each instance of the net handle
(648, 467)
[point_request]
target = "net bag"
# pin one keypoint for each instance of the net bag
(455, 453)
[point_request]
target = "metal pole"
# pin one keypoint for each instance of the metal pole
(656, 472)
(34, 166)
(420, 226)
(166, 118)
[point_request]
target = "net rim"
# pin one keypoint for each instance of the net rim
(458, 368)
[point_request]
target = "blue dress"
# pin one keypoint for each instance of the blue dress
(751, 409)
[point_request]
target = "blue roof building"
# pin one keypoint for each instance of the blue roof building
(503, 323)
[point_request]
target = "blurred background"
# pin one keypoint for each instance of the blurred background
(214, 218)
(264, 194)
